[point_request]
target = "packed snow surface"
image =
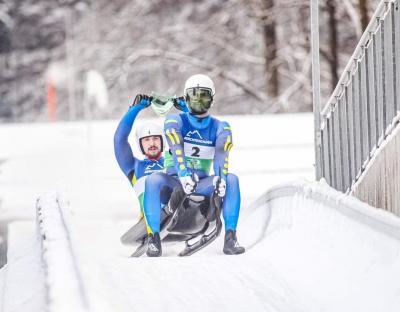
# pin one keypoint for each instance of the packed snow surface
(306, 250)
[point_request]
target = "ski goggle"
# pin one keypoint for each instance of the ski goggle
(161, 104)
(199, 99)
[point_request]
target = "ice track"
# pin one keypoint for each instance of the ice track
(309, 248)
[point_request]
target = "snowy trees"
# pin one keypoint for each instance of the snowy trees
(270, 47)
(257, 51)
(364, 14)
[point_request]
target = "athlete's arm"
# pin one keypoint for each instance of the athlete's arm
(223, 146)
(122, 149)
(172, 129)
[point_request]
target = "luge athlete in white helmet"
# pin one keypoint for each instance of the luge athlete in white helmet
(149, 138)
(196, 142)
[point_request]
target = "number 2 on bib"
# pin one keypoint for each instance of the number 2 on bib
(196, 151)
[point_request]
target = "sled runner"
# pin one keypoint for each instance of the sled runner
(194, 219)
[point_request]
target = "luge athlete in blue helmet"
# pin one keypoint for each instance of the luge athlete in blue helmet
(196, 142)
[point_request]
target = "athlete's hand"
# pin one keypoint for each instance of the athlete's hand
(189, 183)
(180, 103)
(219, 186)
(142, 100)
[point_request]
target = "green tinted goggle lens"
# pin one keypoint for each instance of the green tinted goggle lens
(199, 93)
(199, 99)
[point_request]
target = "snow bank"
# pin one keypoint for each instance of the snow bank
(22, 278)
(65, 286)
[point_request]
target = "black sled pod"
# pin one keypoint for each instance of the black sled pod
(193, 218)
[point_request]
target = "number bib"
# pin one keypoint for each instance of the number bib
(199, 151)
(198, 143)
(198, 156)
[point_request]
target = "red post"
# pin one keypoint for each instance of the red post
(51, 101)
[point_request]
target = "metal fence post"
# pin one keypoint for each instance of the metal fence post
(351, 141)
(372, 120)
(332, 170)
(380, 88)
(395, 48)
(337, 151)
(326, 154)
(389, 79)
(364, 106)
(343, 139)
(316, 86)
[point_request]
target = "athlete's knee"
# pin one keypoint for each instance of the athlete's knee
(154, 180)
(232, 180)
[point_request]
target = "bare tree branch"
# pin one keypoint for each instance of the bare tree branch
(196, 62)
(352, 12)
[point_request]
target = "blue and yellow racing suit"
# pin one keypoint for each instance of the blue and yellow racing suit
(136, 170)
(195, 145)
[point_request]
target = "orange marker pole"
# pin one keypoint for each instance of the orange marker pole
(51, 101)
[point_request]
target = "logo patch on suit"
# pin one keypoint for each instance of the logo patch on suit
(195, 136)
(152, 168)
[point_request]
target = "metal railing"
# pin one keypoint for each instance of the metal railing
(360, 113)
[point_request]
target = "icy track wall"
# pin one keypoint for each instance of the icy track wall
(322, 193)
(64, 283)
(336, 252)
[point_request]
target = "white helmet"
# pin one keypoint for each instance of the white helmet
(199, 93)
(149, 129)
(201, 81)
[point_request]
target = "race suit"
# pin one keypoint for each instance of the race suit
(195, 145)
(136, 170)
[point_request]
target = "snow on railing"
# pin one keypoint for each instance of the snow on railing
(64, 282)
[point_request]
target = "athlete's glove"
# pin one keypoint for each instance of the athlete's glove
(219, 186)
(180, 103)
(189, 183)
(142, 100)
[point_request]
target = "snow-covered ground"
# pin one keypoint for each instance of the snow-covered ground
(79, 159)
(302, 255)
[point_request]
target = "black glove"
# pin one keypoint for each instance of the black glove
(142, 100)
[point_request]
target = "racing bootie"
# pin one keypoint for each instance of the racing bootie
(231, 245)
(154, 245)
